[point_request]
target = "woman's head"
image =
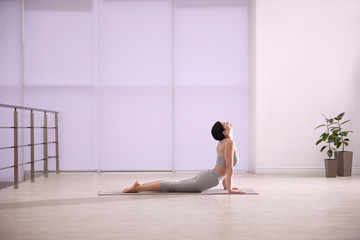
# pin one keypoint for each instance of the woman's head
(217, 131)
(221, 130)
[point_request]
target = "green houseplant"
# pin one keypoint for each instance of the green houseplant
(344, 157)
(335, 137)
(329, 139)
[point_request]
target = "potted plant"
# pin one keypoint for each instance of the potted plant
(330, 139)
(344, 157)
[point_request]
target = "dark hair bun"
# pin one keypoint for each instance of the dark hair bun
(217, 131)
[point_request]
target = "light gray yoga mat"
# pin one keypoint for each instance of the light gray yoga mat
(107, 192)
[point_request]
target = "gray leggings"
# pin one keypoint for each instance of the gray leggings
(202, 181)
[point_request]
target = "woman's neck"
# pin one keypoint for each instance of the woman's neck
(230, 136)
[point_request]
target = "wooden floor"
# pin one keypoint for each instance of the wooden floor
(66, 206)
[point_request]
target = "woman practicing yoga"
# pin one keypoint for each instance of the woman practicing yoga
(226, 159)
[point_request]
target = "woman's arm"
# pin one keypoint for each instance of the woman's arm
(224, 183)
(229, 158)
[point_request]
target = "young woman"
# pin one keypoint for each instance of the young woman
(227, 158)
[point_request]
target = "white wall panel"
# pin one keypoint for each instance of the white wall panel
(135, 102)
(211, 42)
(135, 42)
(10, 45)
(109, 68)
(135, 128)
(211, 79)
(59, 74)
(307, 64)
(59, 42)
(76, 122)
(197, 109)
(11, 90)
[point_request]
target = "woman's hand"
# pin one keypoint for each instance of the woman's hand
(235, 190)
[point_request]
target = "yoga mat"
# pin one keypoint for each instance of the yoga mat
(107, 192)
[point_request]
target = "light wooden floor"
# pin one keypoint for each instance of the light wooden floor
(66, 206)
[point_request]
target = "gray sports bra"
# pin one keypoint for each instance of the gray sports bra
(220, 161)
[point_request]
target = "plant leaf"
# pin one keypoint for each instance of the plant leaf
(331, 120)
(338, 145)
(346, 143)
(330, 153)
(336, 131)
(334, 138)
(322, 125)
(322, 149)
(345, 133)
(341, 115)
(325, 136)
(319, 141)
(345, 122)
(346, 139)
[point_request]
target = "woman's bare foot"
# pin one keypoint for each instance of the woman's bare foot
(134, 188)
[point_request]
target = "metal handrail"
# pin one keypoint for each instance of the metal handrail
(26, 145)
(32, 145)
(27, 108)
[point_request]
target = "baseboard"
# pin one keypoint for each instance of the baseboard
(6, 184)
(297, 170)
(258, 170)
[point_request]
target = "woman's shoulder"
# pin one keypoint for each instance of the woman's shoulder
(227, 142)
